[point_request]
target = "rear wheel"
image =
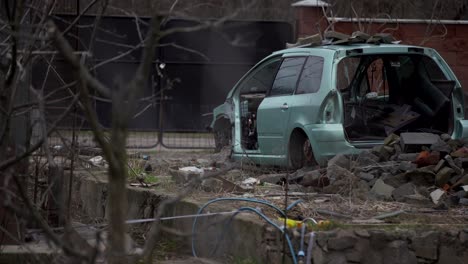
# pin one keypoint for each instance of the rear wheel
(300, 151)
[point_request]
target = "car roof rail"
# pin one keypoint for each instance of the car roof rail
(338, 38)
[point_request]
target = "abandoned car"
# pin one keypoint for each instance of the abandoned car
(306, 104)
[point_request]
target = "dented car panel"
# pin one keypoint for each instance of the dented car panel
(339, 99)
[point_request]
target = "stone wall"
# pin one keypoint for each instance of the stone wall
(250, 238)
(403, 246)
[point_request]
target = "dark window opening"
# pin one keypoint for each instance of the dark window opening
(385, 94)
(286, 79)
(311, 76)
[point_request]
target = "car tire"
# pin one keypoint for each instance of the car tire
(300, 151)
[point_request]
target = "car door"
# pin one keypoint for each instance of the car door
(308, 97)
(273, 113)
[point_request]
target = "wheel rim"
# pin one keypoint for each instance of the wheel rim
(308, 153)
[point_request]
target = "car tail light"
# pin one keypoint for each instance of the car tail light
(330, 109)
(328, 112)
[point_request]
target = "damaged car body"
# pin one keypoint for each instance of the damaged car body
(304, 105)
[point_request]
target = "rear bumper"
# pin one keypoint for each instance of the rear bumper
(327, 140)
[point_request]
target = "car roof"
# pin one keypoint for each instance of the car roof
(376, 47)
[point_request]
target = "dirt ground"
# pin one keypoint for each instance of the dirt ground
(352, 209)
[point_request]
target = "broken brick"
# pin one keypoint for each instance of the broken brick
(460, 153)
(426, 158)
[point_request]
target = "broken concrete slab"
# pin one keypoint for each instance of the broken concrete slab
(402, 191)
(416, 199)
(340, 160)
(421, 177)
(443, 176)
(441, 146)
(396, 180)
(391, 140)
(460, 153)
(439, 165)
(461, 182)
(452, 164)
(445, 137)
(437, 195)
(315, 179)
(414, 141)
(406, 166)
(335, 172)
(366, 176)
(407, 156)
(380, 189)
(366, 158)
(212, 185)
(383, 152)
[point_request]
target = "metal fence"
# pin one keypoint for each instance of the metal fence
(206, 65)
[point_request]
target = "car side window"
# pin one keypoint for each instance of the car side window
(311, 76)
(286, 79)
(260, 81)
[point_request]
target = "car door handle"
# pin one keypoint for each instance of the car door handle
(284, 106)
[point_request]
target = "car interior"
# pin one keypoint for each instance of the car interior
(385, 94)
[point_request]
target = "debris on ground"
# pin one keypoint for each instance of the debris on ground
(413, 168)
(98, 161)
(419, 169)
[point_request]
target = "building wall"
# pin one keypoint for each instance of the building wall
(449, 39)
(195, 9)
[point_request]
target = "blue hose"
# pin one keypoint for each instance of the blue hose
(283, 213)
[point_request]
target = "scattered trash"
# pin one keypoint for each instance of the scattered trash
(192, 169)
(185, 174)
(97, 161)
(250, 182)
(437, 195)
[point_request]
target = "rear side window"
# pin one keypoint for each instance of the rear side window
(286, 79)
(311, 76)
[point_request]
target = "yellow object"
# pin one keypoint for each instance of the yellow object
(324, 224)
(320, 226)
(291, 223)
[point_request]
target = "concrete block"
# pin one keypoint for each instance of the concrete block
(412, 142)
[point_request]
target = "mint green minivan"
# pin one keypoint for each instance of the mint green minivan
(304, 105)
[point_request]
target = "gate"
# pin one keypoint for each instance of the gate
(202, 66)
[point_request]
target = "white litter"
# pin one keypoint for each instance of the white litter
(436, 195)
(250, 181)
(192, 169)
(97, 161)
